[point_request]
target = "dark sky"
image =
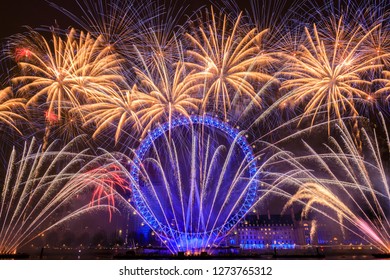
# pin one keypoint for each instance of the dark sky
(14, 14)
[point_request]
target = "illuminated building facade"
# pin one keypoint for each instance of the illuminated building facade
(264, 231)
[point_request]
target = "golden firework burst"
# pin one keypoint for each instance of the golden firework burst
(70, 70)
(329, 73)
(228, 64)
(163, 93)
(10, 108)
(108, 110)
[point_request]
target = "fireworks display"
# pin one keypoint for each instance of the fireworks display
(11, 108)
(37, 184)
(359, 199)
(228, 62)
(136, 79)
(187, 204)
(330, 74)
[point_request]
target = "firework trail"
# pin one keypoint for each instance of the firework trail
(227, 62)
(38, 184)
(11, 108)
(354, 186)
(72, 71)
(329, 74)
(164, 93)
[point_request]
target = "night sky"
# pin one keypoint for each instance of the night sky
(14, 14)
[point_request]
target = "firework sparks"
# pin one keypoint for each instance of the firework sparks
(106, 181)
(329, 74)
(110, 109)
(158, 35)
(116, 23)
(185, 200)
(37, 185)
(67, 71)
(163, 94)
(364, 185)
(9, 108)
(372, 19)
(385, 89)
(226, 64)
(312, 194)
(69, 126)
(70, 70)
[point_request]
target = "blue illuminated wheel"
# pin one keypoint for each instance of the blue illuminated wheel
(192, 180)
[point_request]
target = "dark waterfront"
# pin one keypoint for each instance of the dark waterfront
(150, 254)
